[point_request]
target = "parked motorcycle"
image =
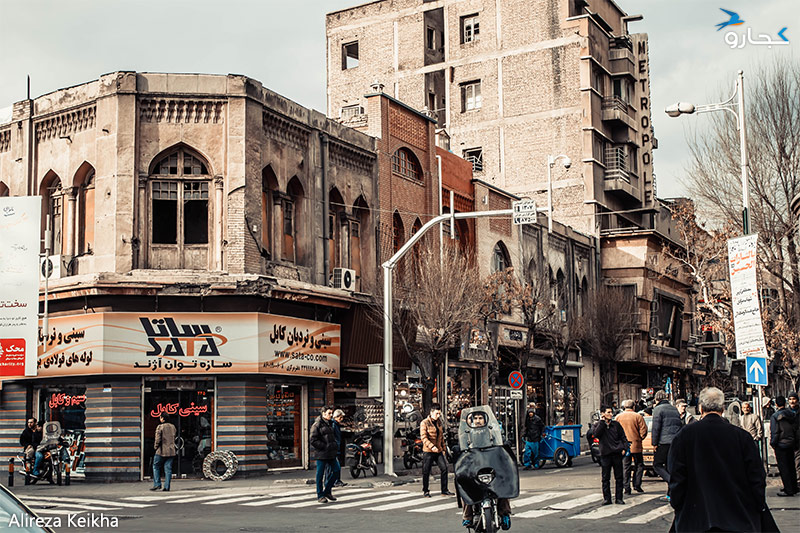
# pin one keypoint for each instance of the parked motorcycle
(594, 443)
(412, 455)
(361, 456)
(485, 470)
(55, 452)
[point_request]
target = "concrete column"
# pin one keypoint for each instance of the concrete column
(218, 227)
(70, 207)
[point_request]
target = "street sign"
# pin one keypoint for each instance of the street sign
(515, 394)
(524, 212)
(756, 371)
(515, 379)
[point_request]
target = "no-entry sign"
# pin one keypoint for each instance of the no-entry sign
(515, 379)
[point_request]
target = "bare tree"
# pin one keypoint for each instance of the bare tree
(609, 323)
(438, 298)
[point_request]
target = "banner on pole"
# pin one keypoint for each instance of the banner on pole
(744, 297)
(20, 234)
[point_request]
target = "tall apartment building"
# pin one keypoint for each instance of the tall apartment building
(513, 82)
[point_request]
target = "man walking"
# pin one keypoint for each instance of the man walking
(533, 436)
(751, 422)
(686, 416)
(324, 450)
(165, 452)
(794, 405)
(717, 481)
(432, 435)
(783, 439)
(338, 416)
(666, 424)
(612, 446)
(635, 430)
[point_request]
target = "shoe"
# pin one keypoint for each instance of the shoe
(619, 502)
(165, 490)
(664, 498)
(529, 467)
(638, 489)
(467, 522)
(330, 497)
(322, 499)
(606, 502)
(786, 494)
(447, 493)
(340, 484)
(155, 488)
(426, 493)
(505, 523)
(627, 491)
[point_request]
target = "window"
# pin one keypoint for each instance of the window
(598, 82)
(470, 96)
(431, 38)
(500, 259)
(55, 210)
(475, 156)
(351, 111)
(288, 217)
(350, 55)
(405, 164)
(622, 89)
(470, 28)
(665, 322)
(86, 208)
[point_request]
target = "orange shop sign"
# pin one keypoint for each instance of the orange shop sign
(188, 343)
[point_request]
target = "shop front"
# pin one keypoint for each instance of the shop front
(244, 382)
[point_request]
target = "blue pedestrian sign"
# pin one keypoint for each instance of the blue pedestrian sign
(756, 370)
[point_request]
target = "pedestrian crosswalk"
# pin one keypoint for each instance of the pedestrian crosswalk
(572, 504)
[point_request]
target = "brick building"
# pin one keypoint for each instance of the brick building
(513, 82)
(198, 223)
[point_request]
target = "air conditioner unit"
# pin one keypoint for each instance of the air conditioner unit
(50, 267)
(344, 278)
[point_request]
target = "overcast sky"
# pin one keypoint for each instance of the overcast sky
(282, 43)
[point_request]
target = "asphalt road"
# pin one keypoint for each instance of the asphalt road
(551, 499)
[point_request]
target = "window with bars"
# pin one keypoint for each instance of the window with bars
(475, 156)
(470, 96)
(405, 164)
(470, 28)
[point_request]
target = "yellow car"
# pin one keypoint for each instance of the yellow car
(648, 450)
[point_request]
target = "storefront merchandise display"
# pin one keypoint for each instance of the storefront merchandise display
(283, 425)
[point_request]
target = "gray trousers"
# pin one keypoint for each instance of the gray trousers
(635, 460)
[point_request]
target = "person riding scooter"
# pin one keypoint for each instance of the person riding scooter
(50, 441)
(486, 471)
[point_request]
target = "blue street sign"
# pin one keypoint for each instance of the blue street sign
(756, 370)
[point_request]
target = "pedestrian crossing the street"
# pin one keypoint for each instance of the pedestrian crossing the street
(575, 504)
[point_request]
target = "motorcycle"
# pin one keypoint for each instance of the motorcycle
(55, 455)
(594, 443)
(360, 452)
(485, 469)
(412, 456)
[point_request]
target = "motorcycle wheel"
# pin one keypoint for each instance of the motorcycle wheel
(488, 520)
(408, 463)
(560, 457)
(355, 471)
(372, 468)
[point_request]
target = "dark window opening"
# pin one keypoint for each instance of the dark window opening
(288, 218)
(165, 212)
(350, 55)
(475, 156)
(195, 212)
(431, 38)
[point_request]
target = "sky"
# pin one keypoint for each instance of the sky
(282, 44)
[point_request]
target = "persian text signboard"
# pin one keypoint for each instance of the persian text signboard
(744, 297)
(20, 224)
(189, 343)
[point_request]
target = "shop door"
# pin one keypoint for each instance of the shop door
(189, 405)
(506, 413)
(284, 426)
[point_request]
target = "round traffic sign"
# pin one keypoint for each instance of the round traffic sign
(515, 379)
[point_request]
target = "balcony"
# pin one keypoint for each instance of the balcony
(618, 178)
(616, 109)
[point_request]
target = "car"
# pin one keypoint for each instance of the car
(16, 516)
(648, 450)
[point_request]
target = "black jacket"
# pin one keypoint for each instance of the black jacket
(533, 427)
(30, 438)
(783, 429)
(716, 478)
(323, 440)
(611, 436)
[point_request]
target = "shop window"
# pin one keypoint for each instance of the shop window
(470, 96)
(350, 55)
(470, 28)
(564, 402)
(284, 426)
(405, 164)
(67, 406)
(461, 392)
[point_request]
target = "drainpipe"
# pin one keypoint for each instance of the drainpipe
(323, 138)
(441, 229)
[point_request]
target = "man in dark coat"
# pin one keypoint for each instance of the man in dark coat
(533, 436)
(30, 438)
(783, 437)
(613, 443)
(666, 424)
(717, 481)
(325, 449)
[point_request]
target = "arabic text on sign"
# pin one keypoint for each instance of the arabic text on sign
(65, 400)
(174, 408)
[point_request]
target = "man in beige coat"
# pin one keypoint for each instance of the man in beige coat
(751, 422)
(165, 452)
(635, 431)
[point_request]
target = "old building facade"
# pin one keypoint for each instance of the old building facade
(201, 227)
(514, 82)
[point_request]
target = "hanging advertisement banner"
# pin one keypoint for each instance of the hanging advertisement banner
(189, 343)
(20, 234)
(744, 297)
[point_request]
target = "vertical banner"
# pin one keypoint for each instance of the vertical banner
(744, 297)
(20, 234)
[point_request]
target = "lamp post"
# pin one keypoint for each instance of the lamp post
(734, 104)
(551, 161)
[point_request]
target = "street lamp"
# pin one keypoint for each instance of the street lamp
(551, 161)
(737, 108)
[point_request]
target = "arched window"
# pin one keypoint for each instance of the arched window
(270, 198)
(359, 247)
(405, 163)
(561, 294)
(583, 296)
(500, 259)
(85, 209)
(3, 189)
(53, 201)
(398, 239)
(337, 229)
(293, 217)
(179, 211)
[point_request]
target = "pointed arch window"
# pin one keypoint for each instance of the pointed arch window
(86, 210)
(500, 259)
(405, 163)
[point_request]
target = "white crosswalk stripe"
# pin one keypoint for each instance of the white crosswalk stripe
(418, 501)
(45, 504)
(658, 512)
(75, 501)
(198, 499)
(313, 496)
(436, 508)
(392, 495)
(611, 510)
